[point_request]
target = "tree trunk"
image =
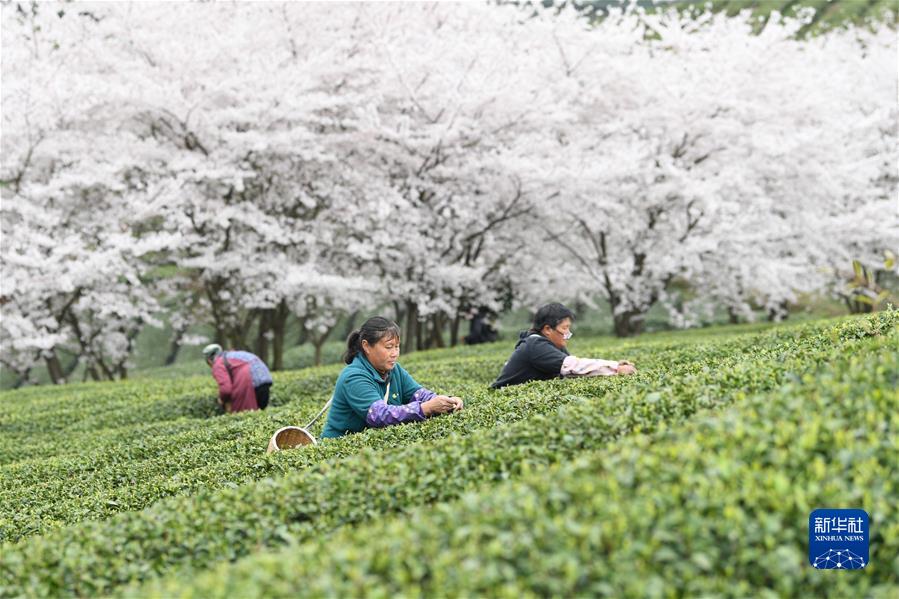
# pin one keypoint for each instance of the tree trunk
(218, 319)
(110, 375)
(303, 337)
(732, 316)
(92, 371)
(175, 345)
(279, 327)
(628, 324)
(437, 323)
(779, 313)
(454, 330)
(265, 325)
(54, 369)
(350, 324)
(235, 341)
(67, 372)
(857, 307)
(91, 368)
(420, 334)
(318, 352)
(23, 378)
(238, 333)
(412, 328)
(319, 342)
(120, 368)
(398, 313)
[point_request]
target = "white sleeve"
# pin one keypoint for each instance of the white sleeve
(574, 366)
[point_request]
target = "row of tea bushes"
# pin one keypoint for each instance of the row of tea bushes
(134, 466)
(81, 418)
(85, 417)
(383, 475)
(39, 495)
(718, 506)
(30, 414)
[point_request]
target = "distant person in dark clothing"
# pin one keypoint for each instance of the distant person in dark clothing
(243, 378)
(541, 353)
(480, 330)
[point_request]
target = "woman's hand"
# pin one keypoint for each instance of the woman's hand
(441, 404)
(625, 367)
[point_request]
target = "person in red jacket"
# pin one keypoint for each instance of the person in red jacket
(243, 379)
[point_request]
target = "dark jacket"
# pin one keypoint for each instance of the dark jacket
(535, 359)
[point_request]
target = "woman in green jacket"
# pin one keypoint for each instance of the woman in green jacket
(374, 390)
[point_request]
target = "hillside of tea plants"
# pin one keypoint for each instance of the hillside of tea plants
(694, 477)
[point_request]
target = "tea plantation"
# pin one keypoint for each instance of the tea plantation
(695, 477)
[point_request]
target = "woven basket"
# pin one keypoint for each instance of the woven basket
(290, 437)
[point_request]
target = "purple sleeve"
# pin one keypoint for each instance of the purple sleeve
(380, 414)
(421, 395)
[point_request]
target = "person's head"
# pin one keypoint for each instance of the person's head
(211, 351)
(378, 339)
(553, 321)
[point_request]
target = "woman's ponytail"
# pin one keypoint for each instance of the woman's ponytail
(353, 346)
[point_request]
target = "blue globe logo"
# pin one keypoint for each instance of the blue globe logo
(839, 559)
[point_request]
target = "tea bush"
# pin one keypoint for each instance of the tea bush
(714, 507)
(390, 471)
(145, 463)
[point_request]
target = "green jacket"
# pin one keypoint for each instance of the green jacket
(359, 386)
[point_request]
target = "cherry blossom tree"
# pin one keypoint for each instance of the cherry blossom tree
(446, 135)
(169, 160)
(72, 276)
(705, 152)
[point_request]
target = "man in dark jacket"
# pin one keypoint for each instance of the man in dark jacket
(542, 353)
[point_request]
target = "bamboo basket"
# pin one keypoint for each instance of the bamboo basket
(290, 437)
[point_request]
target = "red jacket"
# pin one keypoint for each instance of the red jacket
(238, 387)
